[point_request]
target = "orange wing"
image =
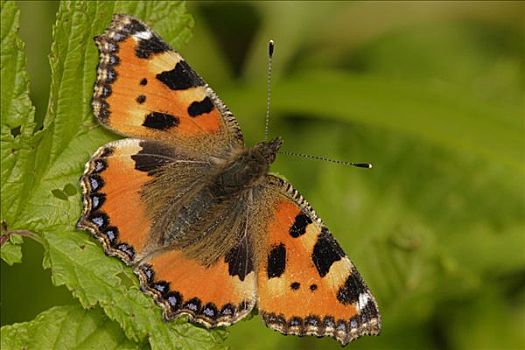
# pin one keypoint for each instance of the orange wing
(306, 283)
(145, 89)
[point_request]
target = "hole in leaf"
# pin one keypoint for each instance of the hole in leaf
(125, 279)
(70, 190)
(15, 131)
(59, 194)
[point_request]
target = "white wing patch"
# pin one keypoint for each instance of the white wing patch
(146, 35)
(364, 298)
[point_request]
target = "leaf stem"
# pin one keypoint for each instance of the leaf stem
(6, 234)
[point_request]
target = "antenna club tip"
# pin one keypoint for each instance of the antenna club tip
(271, 45)
(363, 165)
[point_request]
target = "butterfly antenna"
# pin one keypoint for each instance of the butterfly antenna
(341, 162)
(268, 90)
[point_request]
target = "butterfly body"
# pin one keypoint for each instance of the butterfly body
(246, 170)
(210, 233)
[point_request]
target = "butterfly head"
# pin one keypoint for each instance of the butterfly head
(268, 149)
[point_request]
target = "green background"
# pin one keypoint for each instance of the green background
(432, 93)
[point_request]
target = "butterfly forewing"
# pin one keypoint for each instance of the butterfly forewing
(306, 283)
(145, 89)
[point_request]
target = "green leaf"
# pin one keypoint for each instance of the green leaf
(11, 250)
(66, 327)
(17, 140)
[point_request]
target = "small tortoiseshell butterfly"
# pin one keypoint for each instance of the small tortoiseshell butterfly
(208, 231)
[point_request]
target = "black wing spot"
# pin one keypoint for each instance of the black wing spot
(273, 319)
(135, 26)
(369, 312)
(140, 99)
(181, 77)
(100, 165)
(100, 219)
(110, 75)
(152, 157)
(106, 152)
(127, 249)
(200, 107)
(313, 287)
(353, 287)
(105, 91)
(277, 261)
(153, 45)
(312, 321)
(112, 235)
(97, 199)
(174, 300)
(210, 310)
(341, 326)
(299, 226)
(103, 112)
(326, 252)
(295, 322)
(193, 304)
(240, 260)
(160, 121)
(329, 322)
(95, 183)
(228, 310)
(295, 285)
(144, 82)
(147, 271)
(161, 287)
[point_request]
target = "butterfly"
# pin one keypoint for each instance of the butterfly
(209, 232)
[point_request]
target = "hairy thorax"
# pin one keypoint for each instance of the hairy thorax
(213, 208)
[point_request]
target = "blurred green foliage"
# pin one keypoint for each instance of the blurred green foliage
(431, 92)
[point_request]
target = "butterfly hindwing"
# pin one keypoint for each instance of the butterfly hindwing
(306, 283)
(214, 295)
(147, 90)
